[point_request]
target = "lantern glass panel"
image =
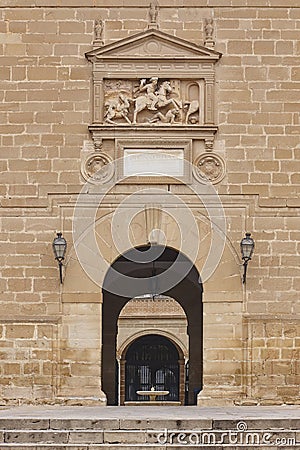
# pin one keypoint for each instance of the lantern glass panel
(247, 247)
(59, 247)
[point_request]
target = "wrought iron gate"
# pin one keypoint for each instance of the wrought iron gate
(152, 361)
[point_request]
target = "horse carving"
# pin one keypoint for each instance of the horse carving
(154, 98)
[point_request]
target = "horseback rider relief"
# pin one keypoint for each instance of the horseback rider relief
(153, 101)
(150, 89)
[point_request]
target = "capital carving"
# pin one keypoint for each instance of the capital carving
(98, 144)
(209, 144)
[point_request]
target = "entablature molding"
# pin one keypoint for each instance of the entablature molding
(100, 132)
(132, 69)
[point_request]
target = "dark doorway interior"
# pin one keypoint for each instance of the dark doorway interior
(187, 292)
(152, 361)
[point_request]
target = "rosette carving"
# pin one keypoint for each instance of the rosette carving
(97, 168)
(209, 167)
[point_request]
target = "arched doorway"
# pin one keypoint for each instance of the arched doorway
(152, 361)
(187, 292)
(143, 316)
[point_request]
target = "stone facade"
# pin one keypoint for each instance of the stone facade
(50, 334)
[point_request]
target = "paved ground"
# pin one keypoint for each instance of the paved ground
(151, 412)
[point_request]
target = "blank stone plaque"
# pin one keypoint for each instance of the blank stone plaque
(153, 162)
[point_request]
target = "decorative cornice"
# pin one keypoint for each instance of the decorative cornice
(112, 50)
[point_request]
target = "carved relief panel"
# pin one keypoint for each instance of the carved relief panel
(154, 81)
(153, 101)
(152, 72)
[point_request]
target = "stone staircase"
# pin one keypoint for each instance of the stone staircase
(261, 432)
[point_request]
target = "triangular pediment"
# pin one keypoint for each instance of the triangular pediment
(153, 44)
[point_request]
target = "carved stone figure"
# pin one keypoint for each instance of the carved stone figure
(209, 30)
(191, 108)
(139, 102)
(150, 89)
(117, 109)
(155, 97)
(153, 12)
(169, 117)
(98, 30)
(164, 90)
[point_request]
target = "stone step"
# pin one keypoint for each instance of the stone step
(89, 447)
(82, 434)
(72, 437)
(95, 447)
(114, 447)
(160, 429)
(259, 423)
(148, 447)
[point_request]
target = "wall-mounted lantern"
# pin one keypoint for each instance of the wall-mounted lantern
(247, 247)
(59, 249)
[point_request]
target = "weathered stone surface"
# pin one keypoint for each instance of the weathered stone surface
(86, 437)
(124, 437)
(251, 349)
(31, 437)
(24, 424)
(257, 424)
(84, 424)
(128, 424)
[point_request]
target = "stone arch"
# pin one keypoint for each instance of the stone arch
(182, 353)
(180, 346)
(188, 293)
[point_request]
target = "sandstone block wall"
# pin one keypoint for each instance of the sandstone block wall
(45, 93)
(29, 356)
